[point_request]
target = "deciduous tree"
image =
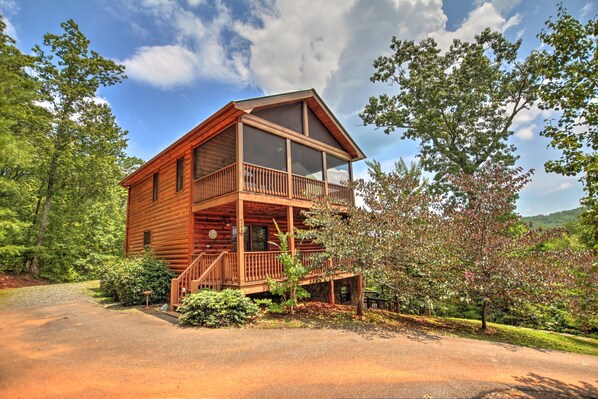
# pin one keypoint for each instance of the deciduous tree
(459, 104)
(20, 118)
(570, 67)
(79, 153)
(392, 238)
(501, 263)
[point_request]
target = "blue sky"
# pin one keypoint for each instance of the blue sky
(185, 59)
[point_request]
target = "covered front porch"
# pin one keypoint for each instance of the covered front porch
(222, 258)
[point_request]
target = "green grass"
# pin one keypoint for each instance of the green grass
(524, 337)
(382, 323)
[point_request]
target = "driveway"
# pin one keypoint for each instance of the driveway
(70, 346)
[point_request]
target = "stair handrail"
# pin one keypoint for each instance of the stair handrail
(175, 283)
(205, 274)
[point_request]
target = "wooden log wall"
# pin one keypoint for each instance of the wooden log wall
(167, 218)
(255, 214)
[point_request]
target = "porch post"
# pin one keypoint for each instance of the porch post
(290, 228)
(240, 242)
(240, 170)
(325, 173)
(289, 171)
(331, 291)
(351, 180)
(305, 120)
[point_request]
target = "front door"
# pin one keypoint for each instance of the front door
(256, 238)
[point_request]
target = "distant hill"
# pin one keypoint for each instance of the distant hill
(557, 219)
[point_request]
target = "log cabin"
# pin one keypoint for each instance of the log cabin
(207, 203)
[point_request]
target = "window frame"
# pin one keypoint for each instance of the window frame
(248, 238)
(180, 174)
(147, 239)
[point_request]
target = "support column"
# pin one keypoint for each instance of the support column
(331, 291)
(191, 237)
(289, 171)
(351, 180)
(325, 173)
(240, 170)
(291, 228)
(240, 242)
(305, 119)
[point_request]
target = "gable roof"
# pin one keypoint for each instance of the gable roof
(228, 114)
(317, 105)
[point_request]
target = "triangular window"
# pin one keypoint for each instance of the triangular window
(287, 115)
(318, 131)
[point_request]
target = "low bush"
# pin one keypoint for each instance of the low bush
(217, 308)
(126, 280)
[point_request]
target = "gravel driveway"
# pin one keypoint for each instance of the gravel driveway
(43, 295)
(57, 343)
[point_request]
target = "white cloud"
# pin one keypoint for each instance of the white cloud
(501, 5)
(526, 133)
(485, 16)
(198, 50)
(296, 45)
(10, 29)
(8, 7)
(526, 122)
(564, 186)
(162, 66)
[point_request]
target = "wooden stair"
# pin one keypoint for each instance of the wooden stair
(197, 277)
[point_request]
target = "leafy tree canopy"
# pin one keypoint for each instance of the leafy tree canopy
(459, 104)
(570, 67)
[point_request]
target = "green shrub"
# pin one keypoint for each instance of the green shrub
(217, 308)
(126, 280)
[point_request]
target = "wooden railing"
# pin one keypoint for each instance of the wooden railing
(260, 265)
(308, 257)
(213, 276)
(181, 285)
(340, 194)
(215, 270)
(259, 179)
(217, 183)
(306, 188)
(265, 180)
(231, 269)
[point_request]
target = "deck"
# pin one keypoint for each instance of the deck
(262, 180)
(220, 271)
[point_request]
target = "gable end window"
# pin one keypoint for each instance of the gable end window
(155, 188)
(180, 172)
(147, 239)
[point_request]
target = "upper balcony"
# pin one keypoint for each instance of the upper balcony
(262, 180)
(254, 157)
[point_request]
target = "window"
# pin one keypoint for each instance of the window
(180, 172)
(287, 115)
(318, 131)
(306, 161)
(256, 238)
(147, 239)
(264, 149)
(215, 154)
(259, 238)
(155, 188)
(337, 170)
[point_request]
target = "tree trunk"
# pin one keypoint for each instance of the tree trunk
(360, 295)
(484, 311)
(34, 267)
